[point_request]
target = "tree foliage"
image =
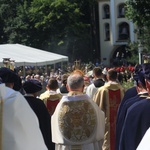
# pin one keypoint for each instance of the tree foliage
(61, 26)
(139, 12)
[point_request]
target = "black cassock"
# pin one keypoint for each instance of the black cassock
(121, 118)
(136, 123)
(44, 119)
(131, 92)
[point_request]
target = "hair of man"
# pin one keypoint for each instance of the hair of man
(75, 82)
(52, 84)
(112, 75)
(97, 72)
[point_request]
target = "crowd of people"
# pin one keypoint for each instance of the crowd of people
(75, 110)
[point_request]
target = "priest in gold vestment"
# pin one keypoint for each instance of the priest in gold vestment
(50, 97)
(77, 123)
(108, 98)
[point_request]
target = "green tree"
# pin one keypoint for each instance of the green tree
(57, 21)
(15, 22)
(139, 12)
(62, 26)
(67, 25)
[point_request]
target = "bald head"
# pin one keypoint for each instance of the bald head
(75, 82)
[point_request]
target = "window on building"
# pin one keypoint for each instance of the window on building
(106, 11)
(107, 32)
(123, 31)
(121, 11)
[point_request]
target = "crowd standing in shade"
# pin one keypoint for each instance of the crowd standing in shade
(76, 110)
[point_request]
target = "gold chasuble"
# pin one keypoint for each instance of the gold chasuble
(51, 100)
(1, 121)
(108, 98)
(77, 123)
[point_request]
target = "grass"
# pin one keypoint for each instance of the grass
(128, 84)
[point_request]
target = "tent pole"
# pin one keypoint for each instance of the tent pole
(36, 68)
(54, 66)
(62, 66)
(24, 73)
(46, 69)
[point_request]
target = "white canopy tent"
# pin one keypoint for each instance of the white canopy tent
(28, 56)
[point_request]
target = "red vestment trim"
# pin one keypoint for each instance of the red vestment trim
(114, 101)
(51, 105)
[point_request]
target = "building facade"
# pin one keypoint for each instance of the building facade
(115, 32)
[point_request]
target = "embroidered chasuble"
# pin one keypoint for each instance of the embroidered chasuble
(51, 100)
(108, 99)
(77, 124)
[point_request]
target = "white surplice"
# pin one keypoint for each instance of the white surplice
(145, 142)
(65, 121)
(20, 127)
(91, 90)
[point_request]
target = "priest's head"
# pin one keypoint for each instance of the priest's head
(75, 82)
(112, 75)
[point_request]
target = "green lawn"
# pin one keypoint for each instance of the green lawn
(128, 84)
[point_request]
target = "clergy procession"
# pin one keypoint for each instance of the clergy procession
(75, 110)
